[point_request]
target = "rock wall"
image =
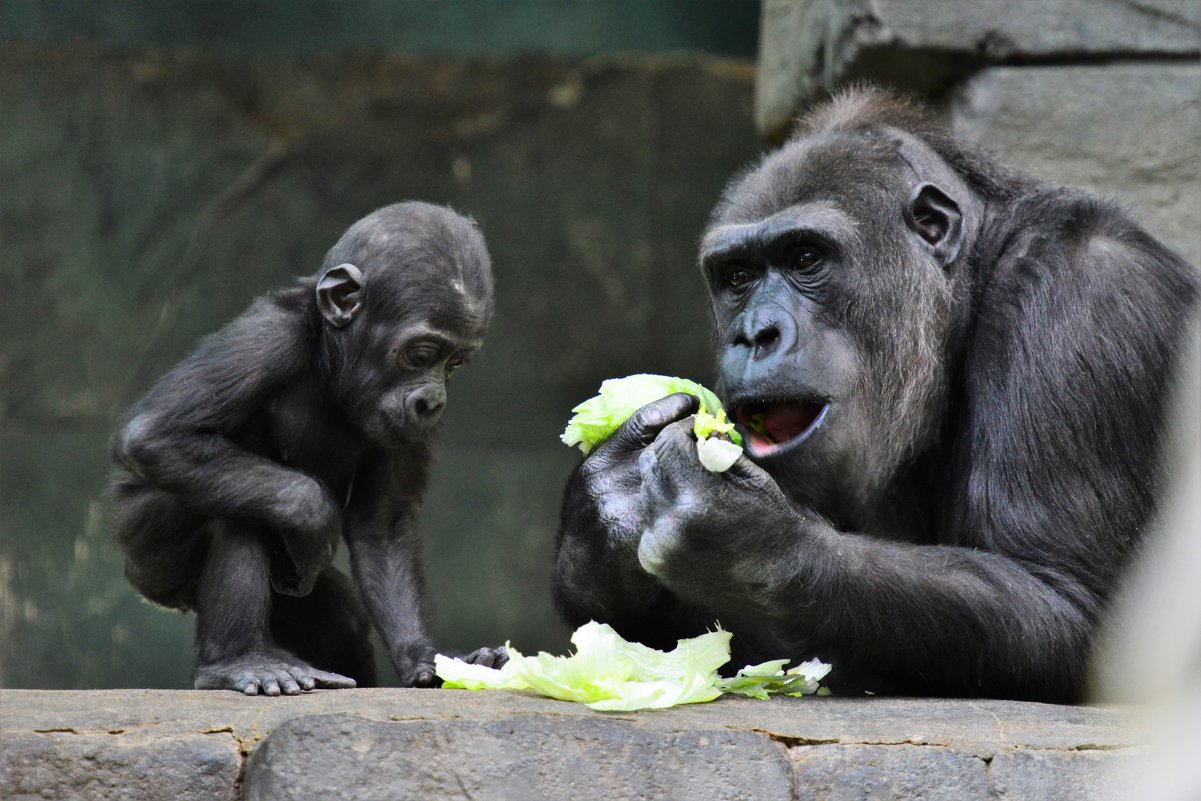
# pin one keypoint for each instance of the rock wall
(395, 745)
(1104, 95)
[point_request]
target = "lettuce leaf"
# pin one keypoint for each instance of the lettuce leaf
(606, 672)
(611, 674)
(599, 416)
(770, 678)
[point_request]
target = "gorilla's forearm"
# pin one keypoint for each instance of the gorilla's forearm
(217, 478)
(391, 583)
(964, 621)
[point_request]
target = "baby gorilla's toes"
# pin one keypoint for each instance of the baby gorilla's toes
(270, 673)
(420, 675)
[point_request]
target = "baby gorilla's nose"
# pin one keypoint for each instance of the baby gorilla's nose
(425, 405)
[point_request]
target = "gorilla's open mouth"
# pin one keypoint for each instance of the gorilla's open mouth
(773, 425)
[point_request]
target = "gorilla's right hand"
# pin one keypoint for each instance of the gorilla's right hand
(306, 547)
(597, 574)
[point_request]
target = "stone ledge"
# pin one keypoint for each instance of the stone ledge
(420, 744)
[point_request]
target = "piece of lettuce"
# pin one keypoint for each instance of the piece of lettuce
(611, 674)
(599, 416)
(606, 672)
(770, 678)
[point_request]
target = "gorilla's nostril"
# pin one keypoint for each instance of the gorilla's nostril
(766, 339)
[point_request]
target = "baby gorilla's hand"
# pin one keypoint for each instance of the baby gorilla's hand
(300, 552)
(488, 657)
(271, 672)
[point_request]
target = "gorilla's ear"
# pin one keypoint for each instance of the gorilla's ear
(340, 294)
(934, 217)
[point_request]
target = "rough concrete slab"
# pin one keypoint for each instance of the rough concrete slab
(1062, 776)
(889, 773)
(512, 759)
(807, 48)
(1130, 131)
(132, 766)
(88, 744)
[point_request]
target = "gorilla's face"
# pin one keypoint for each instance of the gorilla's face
(833, 312)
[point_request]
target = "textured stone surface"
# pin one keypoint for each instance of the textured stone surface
(1096, 775)
(807, 47)
(397, 744)
(98, 766)
(512, 760)
(1130, 131)
(889, 773)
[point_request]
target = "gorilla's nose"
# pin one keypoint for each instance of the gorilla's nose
(425, 406)
(764, 331)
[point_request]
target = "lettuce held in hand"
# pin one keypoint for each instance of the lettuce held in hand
(611, 674)
(718, 444)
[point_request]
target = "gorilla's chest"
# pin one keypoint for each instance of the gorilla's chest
(293, 431)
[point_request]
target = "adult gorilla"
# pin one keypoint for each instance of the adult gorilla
(951, 379)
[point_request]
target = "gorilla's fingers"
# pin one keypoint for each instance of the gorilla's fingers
(646, 423)
(488, 657)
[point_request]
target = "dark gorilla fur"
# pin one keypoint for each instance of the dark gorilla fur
(952, 380)
(307, 419)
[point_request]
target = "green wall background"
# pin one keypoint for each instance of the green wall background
(163, 163)
(464, 28)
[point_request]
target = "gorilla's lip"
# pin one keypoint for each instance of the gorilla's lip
(772, 426)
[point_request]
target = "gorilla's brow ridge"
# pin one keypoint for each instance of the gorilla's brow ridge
(822, 217)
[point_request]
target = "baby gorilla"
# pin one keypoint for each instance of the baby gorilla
(307, 418)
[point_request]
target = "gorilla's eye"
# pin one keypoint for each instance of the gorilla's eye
(421, 356)
(805, 258)
(454, 364)
(737, 277)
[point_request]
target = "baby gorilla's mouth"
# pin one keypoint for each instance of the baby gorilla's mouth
(773, 425)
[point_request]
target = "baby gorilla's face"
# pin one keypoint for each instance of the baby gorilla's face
(400, 390)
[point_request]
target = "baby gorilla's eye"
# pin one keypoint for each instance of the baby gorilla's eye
(454, 364)
(421, 356)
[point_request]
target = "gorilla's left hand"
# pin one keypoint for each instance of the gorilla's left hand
(728, 541)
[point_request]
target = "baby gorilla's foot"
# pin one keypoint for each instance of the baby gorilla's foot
(267, 672)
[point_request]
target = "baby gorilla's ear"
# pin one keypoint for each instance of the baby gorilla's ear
(340, 294)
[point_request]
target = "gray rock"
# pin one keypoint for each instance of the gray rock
(396, 744)
(1130, 131)
(515, 759)
(1061, 776)
(924, 45)
(888, 773)
(97, 766)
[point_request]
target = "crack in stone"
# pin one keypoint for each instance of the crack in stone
(1151, 11)
(793, 742)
